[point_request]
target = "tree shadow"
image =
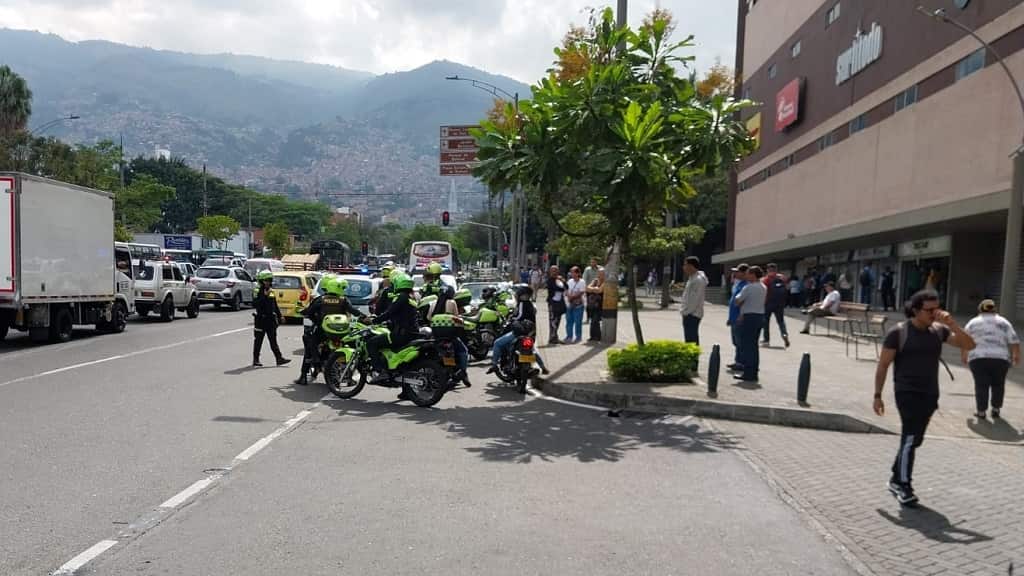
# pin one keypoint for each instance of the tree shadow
(308, 394)
(998, 429)
(537, 430)
(933, 525)
(581, 359)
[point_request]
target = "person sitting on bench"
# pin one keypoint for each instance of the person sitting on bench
(827, 307)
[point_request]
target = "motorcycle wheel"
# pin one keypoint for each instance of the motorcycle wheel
(343, 378)
(477, 349)
(433, 383)
(522, 375)
(504, 373)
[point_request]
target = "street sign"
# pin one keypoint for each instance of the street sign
(177, 242)
(456, 170)
(458, 157)
(456, 131)
(458, 144)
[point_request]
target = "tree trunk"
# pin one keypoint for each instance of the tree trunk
(610, 297)
(666, 281)
(627, 259)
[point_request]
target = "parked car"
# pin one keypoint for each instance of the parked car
(161, 286)
(291, 288)
(477, 289)
(188, 269)
(224, 261)
(220, 285)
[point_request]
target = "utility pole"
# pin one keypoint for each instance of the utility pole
(206, 204)
(120, 169)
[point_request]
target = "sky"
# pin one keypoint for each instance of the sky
(510, 37)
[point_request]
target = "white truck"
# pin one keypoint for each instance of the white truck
(58, 264)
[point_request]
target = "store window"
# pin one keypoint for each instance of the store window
(858, 124)
(971, 64)
(794, 50)
(773, 71)
(826, 141)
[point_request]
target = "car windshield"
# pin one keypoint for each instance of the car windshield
(253, 267)
(212, 273)
(287, 283)
(476, 290)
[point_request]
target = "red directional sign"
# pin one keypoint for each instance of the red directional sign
(458, 144)
(456, 131)
(456, 170)
(458, 157)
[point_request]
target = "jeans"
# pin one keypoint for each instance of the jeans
(734, 333)
(461, 355)
(555, 312)
(503, 343)
(750, 353)
(691, 329)
(815, 313)
(780, 319)
(865, 294)
(574, 323)
(989, 373)
(915, 412)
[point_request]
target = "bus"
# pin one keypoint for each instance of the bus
(422, 254)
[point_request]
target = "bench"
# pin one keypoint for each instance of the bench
(848, 312)
(855, 321)
(871, 329)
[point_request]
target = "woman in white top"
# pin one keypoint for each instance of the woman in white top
(575, 292)
(998, 346)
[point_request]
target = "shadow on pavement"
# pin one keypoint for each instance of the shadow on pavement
(933, 525)
(535, 429)
(997, 429)
(308, 394)
(240, 419)
(582, 358)
(242, 370)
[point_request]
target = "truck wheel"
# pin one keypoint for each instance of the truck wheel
(236, 302)
(61, 325)
(118, 318)
(167, 310)
(3, 329)
(193, 308)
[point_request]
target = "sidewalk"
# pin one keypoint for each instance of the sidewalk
(840, 391)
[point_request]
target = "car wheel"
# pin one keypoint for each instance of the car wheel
(167, 310)
(193, 308)
(236, 302)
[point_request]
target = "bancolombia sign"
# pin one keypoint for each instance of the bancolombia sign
(866, 49)
(787, 105)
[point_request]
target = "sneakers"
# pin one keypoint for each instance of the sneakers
(785, 339)
(904, 494)
(980, 415)
(995, 413)
(302, 381)
(282, 361)
(805, 331)
(257, 364)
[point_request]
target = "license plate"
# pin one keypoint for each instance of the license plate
(448, 361)
(209, 296)
(527, 358)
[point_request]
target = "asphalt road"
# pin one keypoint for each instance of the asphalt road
(160, 449)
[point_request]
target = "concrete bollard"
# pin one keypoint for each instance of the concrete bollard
(803, 381)
(714, 365)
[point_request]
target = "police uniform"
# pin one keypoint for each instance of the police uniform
(322, 306)
(267, 317)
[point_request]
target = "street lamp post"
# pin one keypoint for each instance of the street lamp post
(40, 129)
(517, 196)
(1015, 211)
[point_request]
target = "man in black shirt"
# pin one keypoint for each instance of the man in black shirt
(266, 319)
(916, 348)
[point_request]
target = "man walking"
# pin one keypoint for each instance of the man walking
(536, 281)
(867, 282)
(739, 280)
(775, 304)
(915, 346)
(693, 299)
(827, 307)
(751, 320)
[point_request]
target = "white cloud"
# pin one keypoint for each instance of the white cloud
(512, 37)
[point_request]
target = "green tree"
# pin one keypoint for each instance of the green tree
(121, 234)
(218, 228)
(138, 205)
(275, 236)
(15, 102)
(620, 140)
(581, 244)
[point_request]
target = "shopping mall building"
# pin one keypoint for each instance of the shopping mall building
(885, 140)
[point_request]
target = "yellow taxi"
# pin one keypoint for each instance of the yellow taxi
(294, 288)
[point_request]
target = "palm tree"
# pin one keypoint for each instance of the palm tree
(15, 102)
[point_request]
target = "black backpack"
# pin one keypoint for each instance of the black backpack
(777, 292)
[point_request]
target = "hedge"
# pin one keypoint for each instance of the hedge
(658, 361)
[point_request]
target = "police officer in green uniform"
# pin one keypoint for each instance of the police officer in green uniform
(432, 280)
(386, 294)
(401, 318)
(332, 301)
(267, 317)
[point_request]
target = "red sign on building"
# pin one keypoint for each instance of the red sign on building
(458, 157)
(787, 105)
(456, 170)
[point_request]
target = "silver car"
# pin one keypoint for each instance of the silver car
(219, 285)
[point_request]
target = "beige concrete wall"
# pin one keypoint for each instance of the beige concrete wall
(770, 23)
(950, 146)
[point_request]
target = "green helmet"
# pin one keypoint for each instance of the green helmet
(264, 275)
(334, 286)
(435, 269)
(463, 297)
(401, 281)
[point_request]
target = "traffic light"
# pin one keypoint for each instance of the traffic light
(365, 248)
(445, 218)
(504, 250)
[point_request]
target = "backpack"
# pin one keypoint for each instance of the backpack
(905, 333)
(777, 291)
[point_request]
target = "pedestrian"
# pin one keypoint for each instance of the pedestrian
(888, 289)
(845, 287)
(556, 303)
(751, 320)
(998, 347)
(776, 295)
(915, 348)
(575, 292)
(524, 276)
(867, 281)
(795, 287)
(739, 280)
(652, 279)
(266, 319)
(829, 306)
(589, 275)
(595, 302)
(536, 281)
(810, 289)
(692, 310)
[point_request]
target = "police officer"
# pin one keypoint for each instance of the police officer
(386, 294)
(401, 318)
(332, 301)
(267, 317)
(432, 280)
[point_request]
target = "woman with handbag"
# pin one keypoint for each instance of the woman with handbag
(595, 299)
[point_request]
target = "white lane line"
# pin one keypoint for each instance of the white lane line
(266, 440)
(85, 557)
(121, 356)
(532, 392)
(181, 497)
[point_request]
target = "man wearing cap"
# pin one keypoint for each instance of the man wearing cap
(739, 278)
(998, 347)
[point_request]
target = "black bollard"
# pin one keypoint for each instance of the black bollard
(714, 365)
(803, 381)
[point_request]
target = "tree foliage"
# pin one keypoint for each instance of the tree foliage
(218, 228)
(138, 205)
(275, 236)
(15, 102)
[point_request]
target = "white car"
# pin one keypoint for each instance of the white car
(220, 285)
(360, 291)
(162, 286)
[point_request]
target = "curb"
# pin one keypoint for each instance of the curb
(775, 415)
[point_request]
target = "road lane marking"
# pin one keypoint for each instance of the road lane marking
(172, 504)
(85, 557)
(121, 357)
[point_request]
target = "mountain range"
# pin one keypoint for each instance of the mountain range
(347, 137)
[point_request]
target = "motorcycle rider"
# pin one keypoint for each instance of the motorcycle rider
(386, 293)
(332, 301)
(432, 280)
(446, 304)
(489, 298)
(525, 316)
(267, 317)
(401, 318)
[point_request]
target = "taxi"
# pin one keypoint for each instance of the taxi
(294, 291)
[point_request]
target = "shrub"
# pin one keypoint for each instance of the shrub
(658, 361)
